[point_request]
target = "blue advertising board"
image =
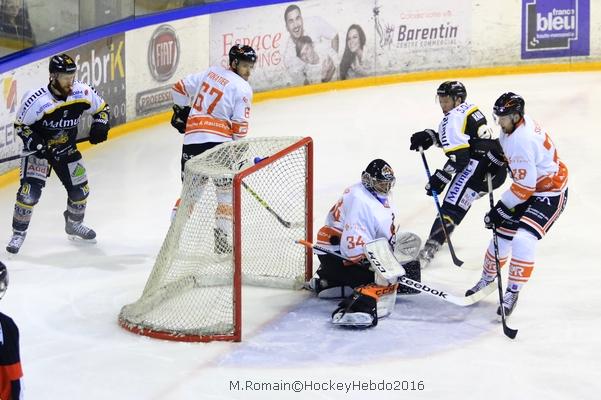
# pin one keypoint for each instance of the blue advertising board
(555, 28)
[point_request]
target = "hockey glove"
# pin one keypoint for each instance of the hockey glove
(495, 160)
(180, 118)
(99, 130)
(437, 182)
(424, 139)
(497, 215)
(32, 141)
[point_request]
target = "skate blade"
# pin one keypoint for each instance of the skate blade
(10, 255)
(77, 239)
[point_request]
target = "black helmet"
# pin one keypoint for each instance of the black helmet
(378, 176)
(3, 279)
(509, 103)
(453, 89)
(242, 53)
(62, 63)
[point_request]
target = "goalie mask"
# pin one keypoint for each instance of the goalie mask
(3, 279)
(378, 177)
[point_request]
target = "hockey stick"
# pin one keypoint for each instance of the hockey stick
(462, 301)
(29, 153)
(266, 206)
(510, 333)
(456, 260)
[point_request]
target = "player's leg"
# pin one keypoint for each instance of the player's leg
(534, 224)
(34, 172)
(188, 152)
(73, 175)
(505, 235)
(223, 230)
(365, 306)
(463, 190)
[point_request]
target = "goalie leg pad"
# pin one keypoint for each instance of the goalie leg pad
(365, 306)
(358, 310)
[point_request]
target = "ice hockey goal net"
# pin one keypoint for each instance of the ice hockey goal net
(243, 204)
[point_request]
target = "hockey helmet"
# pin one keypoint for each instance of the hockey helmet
(378, 177)
(452, 88)
(509, 103)
(242, 53)
(3, 279)
(62, 64)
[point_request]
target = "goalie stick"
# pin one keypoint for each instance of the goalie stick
(462, 301)
(456, 260)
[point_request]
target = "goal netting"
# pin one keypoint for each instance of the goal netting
(243, 205)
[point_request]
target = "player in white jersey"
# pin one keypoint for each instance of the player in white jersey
(213, 107)
(536, 198)
(362, 214)
(47, 123)
(465, 139)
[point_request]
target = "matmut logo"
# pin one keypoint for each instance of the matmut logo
(9, 92)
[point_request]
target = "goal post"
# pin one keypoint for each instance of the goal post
(243, 205)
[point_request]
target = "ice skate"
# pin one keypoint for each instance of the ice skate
(510, 299)
(428, 252)
(481, 284)
(16, 241)
(77, 231)
(222, 245)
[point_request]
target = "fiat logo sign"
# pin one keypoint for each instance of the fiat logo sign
(163, 53)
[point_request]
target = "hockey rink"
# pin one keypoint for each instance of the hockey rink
(65, 297)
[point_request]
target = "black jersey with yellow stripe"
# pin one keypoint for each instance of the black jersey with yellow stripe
(54, 119)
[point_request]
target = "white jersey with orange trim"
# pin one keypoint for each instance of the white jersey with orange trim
(220, 103)
(357, 217)
(452, 132)
(535, 166)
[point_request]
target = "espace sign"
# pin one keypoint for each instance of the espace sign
(555, 28)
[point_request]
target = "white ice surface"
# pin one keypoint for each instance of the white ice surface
(66, 297)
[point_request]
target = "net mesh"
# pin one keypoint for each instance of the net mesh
(191, 290)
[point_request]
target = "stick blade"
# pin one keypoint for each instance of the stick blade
(457, 261)
(510, 333)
